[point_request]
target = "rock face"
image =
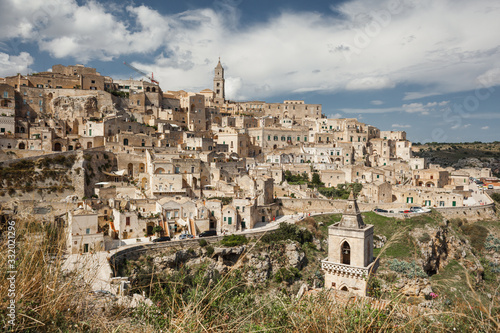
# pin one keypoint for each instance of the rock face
(259, 265)
(295, 256)
(440, 246)
(68, 107)
(439, 249)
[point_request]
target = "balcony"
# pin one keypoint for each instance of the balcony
(353, 271)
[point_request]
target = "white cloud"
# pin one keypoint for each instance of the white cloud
(417, 95)
(370, 83)
(433, 44)
(376, 102)
(485, 127)
(459, 126)
(11, 65)
(424, 109)
(400, 126)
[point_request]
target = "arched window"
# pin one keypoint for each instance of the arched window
(346, 253)
(125, 142)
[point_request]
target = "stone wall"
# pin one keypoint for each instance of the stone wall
(292, 206)
(471, 213)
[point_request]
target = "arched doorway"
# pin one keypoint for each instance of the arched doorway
(125, 142)
(346, 253)
(344, 288)
(22, 145)
(57, 147)
(89, 145)
(130, 168)
(141, 167)
(144, 182)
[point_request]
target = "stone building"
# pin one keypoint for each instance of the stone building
(350, 252)
(83, 232)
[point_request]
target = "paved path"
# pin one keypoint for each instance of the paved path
(93, 266)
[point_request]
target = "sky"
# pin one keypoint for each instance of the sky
(428, 67)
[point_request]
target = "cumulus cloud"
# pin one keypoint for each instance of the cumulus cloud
(424, 109)
(360, 45)
(485, 127)
(400, 126)
(376, 102)
(10, 65)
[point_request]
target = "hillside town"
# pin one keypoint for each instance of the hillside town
(118, 162)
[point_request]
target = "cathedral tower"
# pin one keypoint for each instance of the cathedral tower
(219, 84)
(350, 252)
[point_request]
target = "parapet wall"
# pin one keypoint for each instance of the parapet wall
(292, 206)
(471, 213)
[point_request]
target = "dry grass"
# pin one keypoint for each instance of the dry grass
(48, 300)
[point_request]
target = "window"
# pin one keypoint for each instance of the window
(87, 231)
(2, 130)
(127, 221)
(229, 220)
(5, 94)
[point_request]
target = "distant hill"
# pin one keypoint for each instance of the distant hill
(462, 155)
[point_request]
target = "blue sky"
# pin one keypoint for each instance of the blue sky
(431, 68)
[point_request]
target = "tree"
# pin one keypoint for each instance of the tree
(316, 180)
(158, 230)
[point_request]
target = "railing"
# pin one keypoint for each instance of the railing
(360, 272)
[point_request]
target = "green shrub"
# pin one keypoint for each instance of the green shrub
(477, 235)
(210, 251)
(409, 269)
(288, 231)
(234, 240)
(202, 242)
(492, 243)
(286, 274)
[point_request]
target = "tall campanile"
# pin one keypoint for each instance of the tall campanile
(219, 85)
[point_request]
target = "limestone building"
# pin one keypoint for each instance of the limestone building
(350, 252)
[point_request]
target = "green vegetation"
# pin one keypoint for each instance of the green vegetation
(286, 274)
(409, 269)
(225, 200)
(476, 233)
(342, 191)
(288, 231)
(121, 94)
(296, 179)
(202, 242)
(234, 240)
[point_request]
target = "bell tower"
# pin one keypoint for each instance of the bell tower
(219, 84)
(350, 252)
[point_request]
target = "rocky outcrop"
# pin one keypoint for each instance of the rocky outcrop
(71, 107)
(259, 266)
(441, 245)
(296, 257)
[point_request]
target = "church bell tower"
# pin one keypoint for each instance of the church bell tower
(350, 252)
(219, 84)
